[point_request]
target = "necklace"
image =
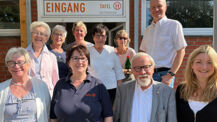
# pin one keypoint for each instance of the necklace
(17, 84)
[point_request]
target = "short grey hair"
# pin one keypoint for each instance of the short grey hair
(59, 28)
(18, 51)
(141, 54)
(40, 24)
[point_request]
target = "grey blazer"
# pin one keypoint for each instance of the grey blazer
(163, 103)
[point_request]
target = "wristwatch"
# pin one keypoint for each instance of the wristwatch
(171, 73)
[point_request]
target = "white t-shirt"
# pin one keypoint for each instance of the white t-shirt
(196, 105)
(89, 44)
(162, 40)
(105, 66)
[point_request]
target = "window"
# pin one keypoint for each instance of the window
(196, 16)
(9, 17)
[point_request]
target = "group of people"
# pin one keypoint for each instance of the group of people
(84, 82)
(145, 100)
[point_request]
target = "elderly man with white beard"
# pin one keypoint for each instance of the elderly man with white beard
(143, 99)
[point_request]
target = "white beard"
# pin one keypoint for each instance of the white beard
(144, 80)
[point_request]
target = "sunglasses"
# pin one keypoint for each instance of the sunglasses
(123, 38)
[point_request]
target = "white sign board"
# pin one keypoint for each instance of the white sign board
(81, 8)
(92, 10)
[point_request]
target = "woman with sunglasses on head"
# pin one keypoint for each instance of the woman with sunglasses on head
(123, 51)
(80, 97)
(196, 97)
(22, 98)
(43, 62)
(105, 64)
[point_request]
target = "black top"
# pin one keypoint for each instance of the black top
(88, 103)
(185, 114)
(61, 61)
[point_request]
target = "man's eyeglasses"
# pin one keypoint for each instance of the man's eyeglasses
(139, 68)
(76, 59)
(13, 63)
(102, 36)
(39, 33)
(123, 38)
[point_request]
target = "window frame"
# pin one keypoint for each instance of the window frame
(9, 32)
(187, 31)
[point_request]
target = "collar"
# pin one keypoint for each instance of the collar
(88, 79)
(161, 21)
(44, 50)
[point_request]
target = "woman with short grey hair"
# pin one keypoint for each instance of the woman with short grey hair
(58, 37)
(43, 62)
(23, 98)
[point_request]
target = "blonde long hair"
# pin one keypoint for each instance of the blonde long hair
(190, 85)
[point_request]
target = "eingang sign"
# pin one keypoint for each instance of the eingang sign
(81, 8)
(65, 10)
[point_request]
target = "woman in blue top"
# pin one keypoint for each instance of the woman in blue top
(58, 37)
(80, 97)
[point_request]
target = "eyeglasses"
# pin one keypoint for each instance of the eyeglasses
(76, 59)
(139, 68)
(123, 38)
(59, 34)
(35, 33)
(13, 63)
(102, 36)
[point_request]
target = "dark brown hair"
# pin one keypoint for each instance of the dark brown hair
(99, 28)
(80, 48)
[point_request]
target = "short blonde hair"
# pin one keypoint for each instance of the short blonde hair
(79, 24)
(121, 33)
(190, 85)
(40, 24)
(18, 51)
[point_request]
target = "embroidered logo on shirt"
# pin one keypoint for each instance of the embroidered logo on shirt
(91, 95)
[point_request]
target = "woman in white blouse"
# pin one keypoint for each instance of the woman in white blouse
(104, 63)
(196, 98)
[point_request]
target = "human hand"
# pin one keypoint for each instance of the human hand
(167, 79)
(127, 71)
